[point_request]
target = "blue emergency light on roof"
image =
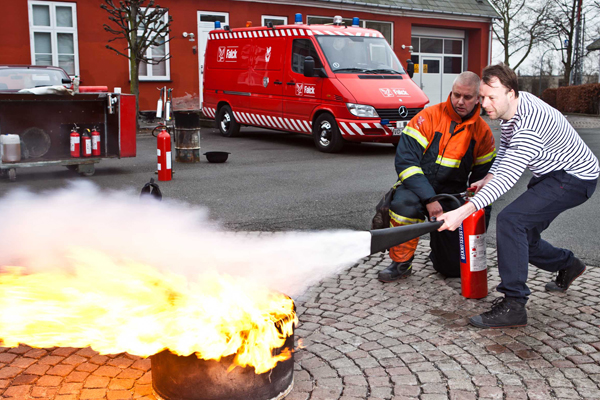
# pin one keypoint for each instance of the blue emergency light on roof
(355, 22)
(298, 18)
(217, 24)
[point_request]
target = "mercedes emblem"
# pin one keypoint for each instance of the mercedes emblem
(403, 111)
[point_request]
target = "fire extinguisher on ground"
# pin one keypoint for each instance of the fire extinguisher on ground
(95, 142)
(473, 259)
(163, 151)
(75, 142)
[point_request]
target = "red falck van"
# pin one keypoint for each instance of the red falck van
(334, 82)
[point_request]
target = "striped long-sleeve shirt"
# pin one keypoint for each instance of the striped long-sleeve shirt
(539, 137)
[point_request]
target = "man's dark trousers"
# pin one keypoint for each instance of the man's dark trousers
(520, 224)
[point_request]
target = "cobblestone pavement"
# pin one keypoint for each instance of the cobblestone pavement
(367, 340)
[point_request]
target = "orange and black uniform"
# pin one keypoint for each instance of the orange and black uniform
(438, 152)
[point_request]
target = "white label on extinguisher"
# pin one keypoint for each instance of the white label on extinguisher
(95, 140)
(74, 141)
(158, 152)
(477, 256)
(159, 167)
(168, 160)
(88, 147)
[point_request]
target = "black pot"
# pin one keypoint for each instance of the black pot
(217, 156)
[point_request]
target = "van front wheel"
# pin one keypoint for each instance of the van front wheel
(326, 134)
(226, 122)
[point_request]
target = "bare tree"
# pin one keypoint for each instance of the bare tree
(141, 25)
(523, 25)
(564, 18)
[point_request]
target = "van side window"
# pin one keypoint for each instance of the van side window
(302, 48)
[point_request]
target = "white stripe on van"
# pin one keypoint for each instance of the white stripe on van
(282, 123)
(339, 33)
(270, 121)
(254, 119)
(243, 118)
(378, 125)
(317, 32)
(288, 124)
(367, 34)
(213, 111)
(303, 127)
(271, 33)
(292, 124)
(309, 33)
(262, 119)
(295, 32)
(346, 129)
(330, 33)
(260, 33)
(273, 122)
(356, 128)
(301, 32)
(289, 33)
(307, 125)
(298, 125)
(277, 33)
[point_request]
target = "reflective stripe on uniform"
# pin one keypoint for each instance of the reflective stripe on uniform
(485, 158)
(408, 172)
(400, 220)
(415, 134)
(447, 162)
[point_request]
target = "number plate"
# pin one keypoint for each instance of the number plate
(396, 131)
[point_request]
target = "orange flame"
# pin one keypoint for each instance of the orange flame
(117, 307)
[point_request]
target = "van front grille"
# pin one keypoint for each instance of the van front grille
(394, 115)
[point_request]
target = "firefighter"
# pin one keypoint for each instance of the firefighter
(442, 149)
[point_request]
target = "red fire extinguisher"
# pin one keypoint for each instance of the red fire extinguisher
(75, 142)
(163, 150)
(86, 143)
(95, 142)
(473, 263)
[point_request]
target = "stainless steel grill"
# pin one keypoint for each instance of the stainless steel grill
(393, 114)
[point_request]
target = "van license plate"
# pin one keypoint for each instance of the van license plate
(397, 131)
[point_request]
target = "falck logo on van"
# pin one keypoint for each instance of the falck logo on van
(221, 55)
(386, 92)
(268, 55)
(400, 92)
(227, 54)
(303, 89)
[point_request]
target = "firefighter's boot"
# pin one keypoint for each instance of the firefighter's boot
(396, 270)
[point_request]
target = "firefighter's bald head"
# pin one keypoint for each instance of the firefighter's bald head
(465, 93)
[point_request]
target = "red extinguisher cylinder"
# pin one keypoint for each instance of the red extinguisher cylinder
(163, 150)
(473, 260)
(86, 144)
(96, 150)
(75, 144)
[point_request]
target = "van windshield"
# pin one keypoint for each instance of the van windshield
(357, 54)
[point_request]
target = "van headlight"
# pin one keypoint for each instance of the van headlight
(361, 110)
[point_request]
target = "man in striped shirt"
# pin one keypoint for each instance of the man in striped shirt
(565, 172)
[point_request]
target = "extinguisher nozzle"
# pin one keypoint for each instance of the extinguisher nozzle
(383, 239)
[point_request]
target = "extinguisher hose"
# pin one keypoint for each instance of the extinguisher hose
(160, 127)
(453, 198)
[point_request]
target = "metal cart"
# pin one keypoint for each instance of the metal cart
(44, 124)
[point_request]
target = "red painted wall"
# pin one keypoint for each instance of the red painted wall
(100, 66)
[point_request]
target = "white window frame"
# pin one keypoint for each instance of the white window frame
(167, 76)
(263, 17)
(53, 30)
(363, 24)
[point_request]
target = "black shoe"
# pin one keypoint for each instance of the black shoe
(396, 270)
(505, 313)
(566, 276)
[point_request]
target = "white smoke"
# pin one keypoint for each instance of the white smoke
(37, 231)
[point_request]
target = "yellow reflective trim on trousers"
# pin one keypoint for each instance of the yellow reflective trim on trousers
(415, 134)
(485, 158)
(408, 172)
(404, 220)
(448, 162)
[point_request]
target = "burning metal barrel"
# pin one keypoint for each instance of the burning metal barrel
(191, 378)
